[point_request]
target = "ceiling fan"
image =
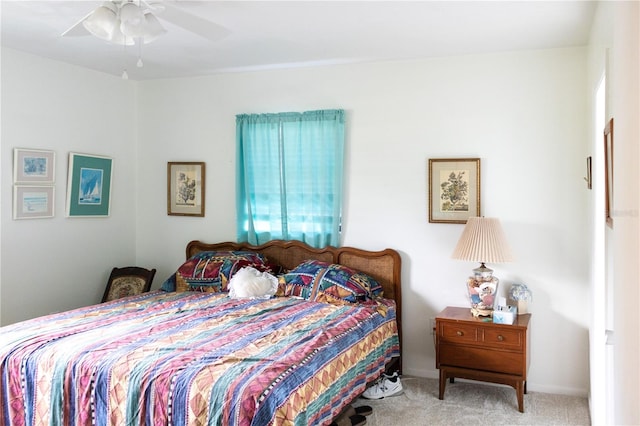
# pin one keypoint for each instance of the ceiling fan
(126, 22)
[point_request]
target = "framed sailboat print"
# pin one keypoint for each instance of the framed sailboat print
(89, 185)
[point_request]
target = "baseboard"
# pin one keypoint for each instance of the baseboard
(557, 390)
(531, 386)
(427, 374)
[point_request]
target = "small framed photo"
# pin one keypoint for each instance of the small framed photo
(33, 202)
(89, 185)
(608, 172)
(185, 189)
(32, 166)
(589, 177)
(454, 189)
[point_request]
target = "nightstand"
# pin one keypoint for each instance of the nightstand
(475, 348)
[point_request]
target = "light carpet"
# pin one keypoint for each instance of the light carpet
(470, 403)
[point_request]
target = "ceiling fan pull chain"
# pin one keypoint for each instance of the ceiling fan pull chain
(125, 75)
(139, 64)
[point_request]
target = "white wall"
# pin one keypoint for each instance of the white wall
(55, 264)
(525, 114)
(601, 40)
(615, 373)
(623, 238)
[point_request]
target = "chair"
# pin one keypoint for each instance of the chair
(128, 281)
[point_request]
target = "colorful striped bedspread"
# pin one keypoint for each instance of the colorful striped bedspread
(193, 359)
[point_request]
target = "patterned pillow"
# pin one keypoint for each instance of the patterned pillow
(210, 271)
(329, 282)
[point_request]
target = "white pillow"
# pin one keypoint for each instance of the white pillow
(249, 282)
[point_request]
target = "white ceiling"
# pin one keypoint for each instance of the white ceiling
(253, 35)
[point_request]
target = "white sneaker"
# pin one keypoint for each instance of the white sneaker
(384, 387)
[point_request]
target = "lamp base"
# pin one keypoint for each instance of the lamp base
(481, 312)
(482, 294)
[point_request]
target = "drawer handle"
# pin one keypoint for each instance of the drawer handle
(500, 338)
(459, 333)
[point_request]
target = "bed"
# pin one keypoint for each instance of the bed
(198, 356)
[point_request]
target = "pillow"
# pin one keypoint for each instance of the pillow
(169, 284)
(249, 282)
(329, 282)
(210, 271)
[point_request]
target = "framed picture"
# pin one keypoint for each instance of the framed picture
(608, 172)
(454, 189)
(185, 189)
(89, 185)
(33, 166)
(33, 202)
(588, 177)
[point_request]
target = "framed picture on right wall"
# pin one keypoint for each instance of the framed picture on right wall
(608, 172)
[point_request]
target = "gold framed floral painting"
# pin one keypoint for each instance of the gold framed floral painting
(454, 189)
(185, 189)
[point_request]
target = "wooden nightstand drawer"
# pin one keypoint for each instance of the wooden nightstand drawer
(504, 338)
(500, 338)
(479, 359)
(453, 332)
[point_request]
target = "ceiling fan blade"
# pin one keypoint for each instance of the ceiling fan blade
(193, 23)
(77, 29)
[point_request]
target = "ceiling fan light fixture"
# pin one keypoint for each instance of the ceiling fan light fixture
(152, 28)
(131, 14)
(102, 22)
(131, 30)
(119, 38)
(122, 24)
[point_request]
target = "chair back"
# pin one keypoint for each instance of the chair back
(128, 281)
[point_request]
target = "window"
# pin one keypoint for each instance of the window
(289, 176)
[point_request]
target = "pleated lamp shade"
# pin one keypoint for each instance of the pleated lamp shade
(483, 241)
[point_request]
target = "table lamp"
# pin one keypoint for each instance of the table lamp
(483, 241)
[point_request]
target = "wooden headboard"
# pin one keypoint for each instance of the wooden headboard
(383, 265)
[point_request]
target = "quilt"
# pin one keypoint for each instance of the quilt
(193, 359)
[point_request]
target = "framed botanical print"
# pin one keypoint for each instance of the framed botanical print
(185, 189)
(454, 189)
(89, 185)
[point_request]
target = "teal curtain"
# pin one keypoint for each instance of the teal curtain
(289, 176)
